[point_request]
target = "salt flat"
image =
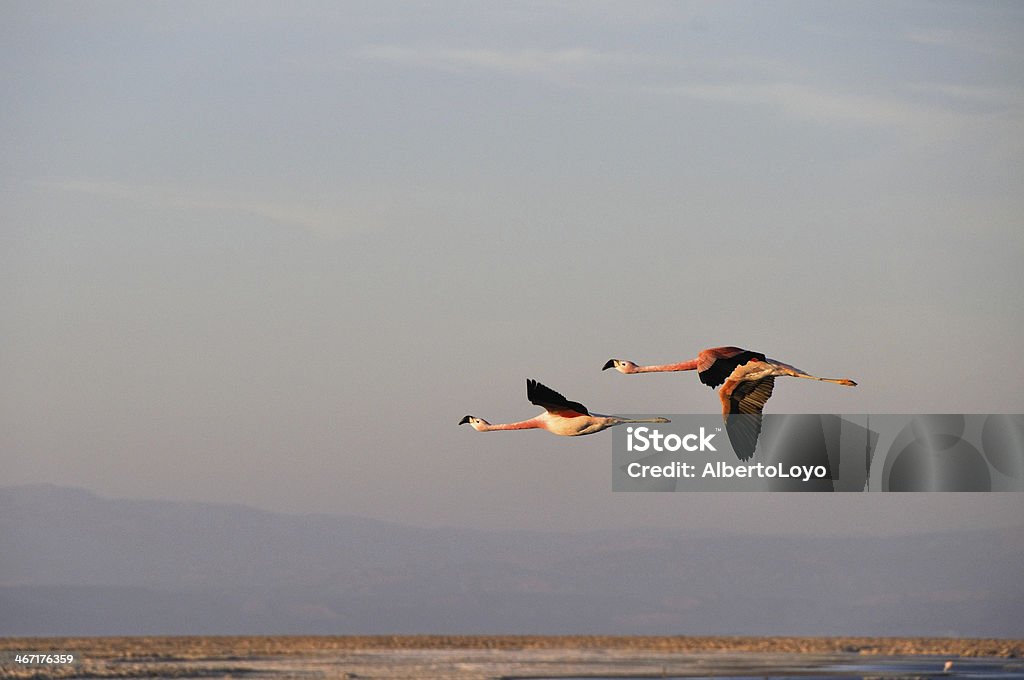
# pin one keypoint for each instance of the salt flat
(493, 657)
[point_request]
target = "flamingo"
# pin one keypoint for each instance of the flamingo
(561, 416)
(747, 379)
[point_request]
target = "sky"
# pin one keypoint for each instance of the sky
(271, 253)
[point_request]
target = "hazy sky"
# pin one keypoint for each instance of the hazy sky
(272, 253)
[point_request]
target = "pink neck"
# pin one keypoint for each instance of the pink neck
(530, 424)
(684, 366)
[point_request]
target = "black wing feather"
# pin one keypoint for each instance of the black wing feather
(743, 433)
(544, 396)
(743, 424)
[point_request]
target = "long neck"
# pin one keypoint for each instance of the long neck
(683, 366)
(531, 424)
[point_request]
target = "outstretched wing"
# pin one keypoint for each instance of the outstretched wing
(715, 365)
(742, 404)
(544, 396)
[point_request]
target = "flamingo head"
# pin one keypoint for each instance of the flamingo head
(476, 423)
(620, 365)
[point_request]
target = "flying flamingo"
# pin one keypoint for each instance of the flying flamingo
(561, 416)
(747, 380)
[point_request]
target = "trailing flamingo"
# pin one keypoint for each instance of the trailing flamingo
(561, 416)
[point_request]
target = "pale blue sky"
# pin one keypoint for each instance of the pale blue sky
(271, 254)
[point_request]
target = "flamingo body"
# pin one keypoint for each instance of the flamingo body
(560, 416)
(716, 365)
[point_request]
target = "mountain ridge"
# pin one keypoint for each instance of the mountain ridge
(76, 563)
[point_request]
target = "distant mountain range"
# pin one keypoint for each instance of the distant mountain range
(73, 563)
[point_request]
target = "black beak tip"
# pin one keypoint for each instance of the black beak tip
(465, 419)
(610, 364)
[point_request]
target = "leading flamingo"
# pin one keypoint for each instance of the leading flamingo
(747, 379)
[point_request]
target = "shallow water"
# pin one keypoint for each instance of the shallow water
(745, 667)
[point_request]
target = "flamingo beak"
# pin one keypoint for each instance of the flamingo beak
(610, 364)
(465, 420)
